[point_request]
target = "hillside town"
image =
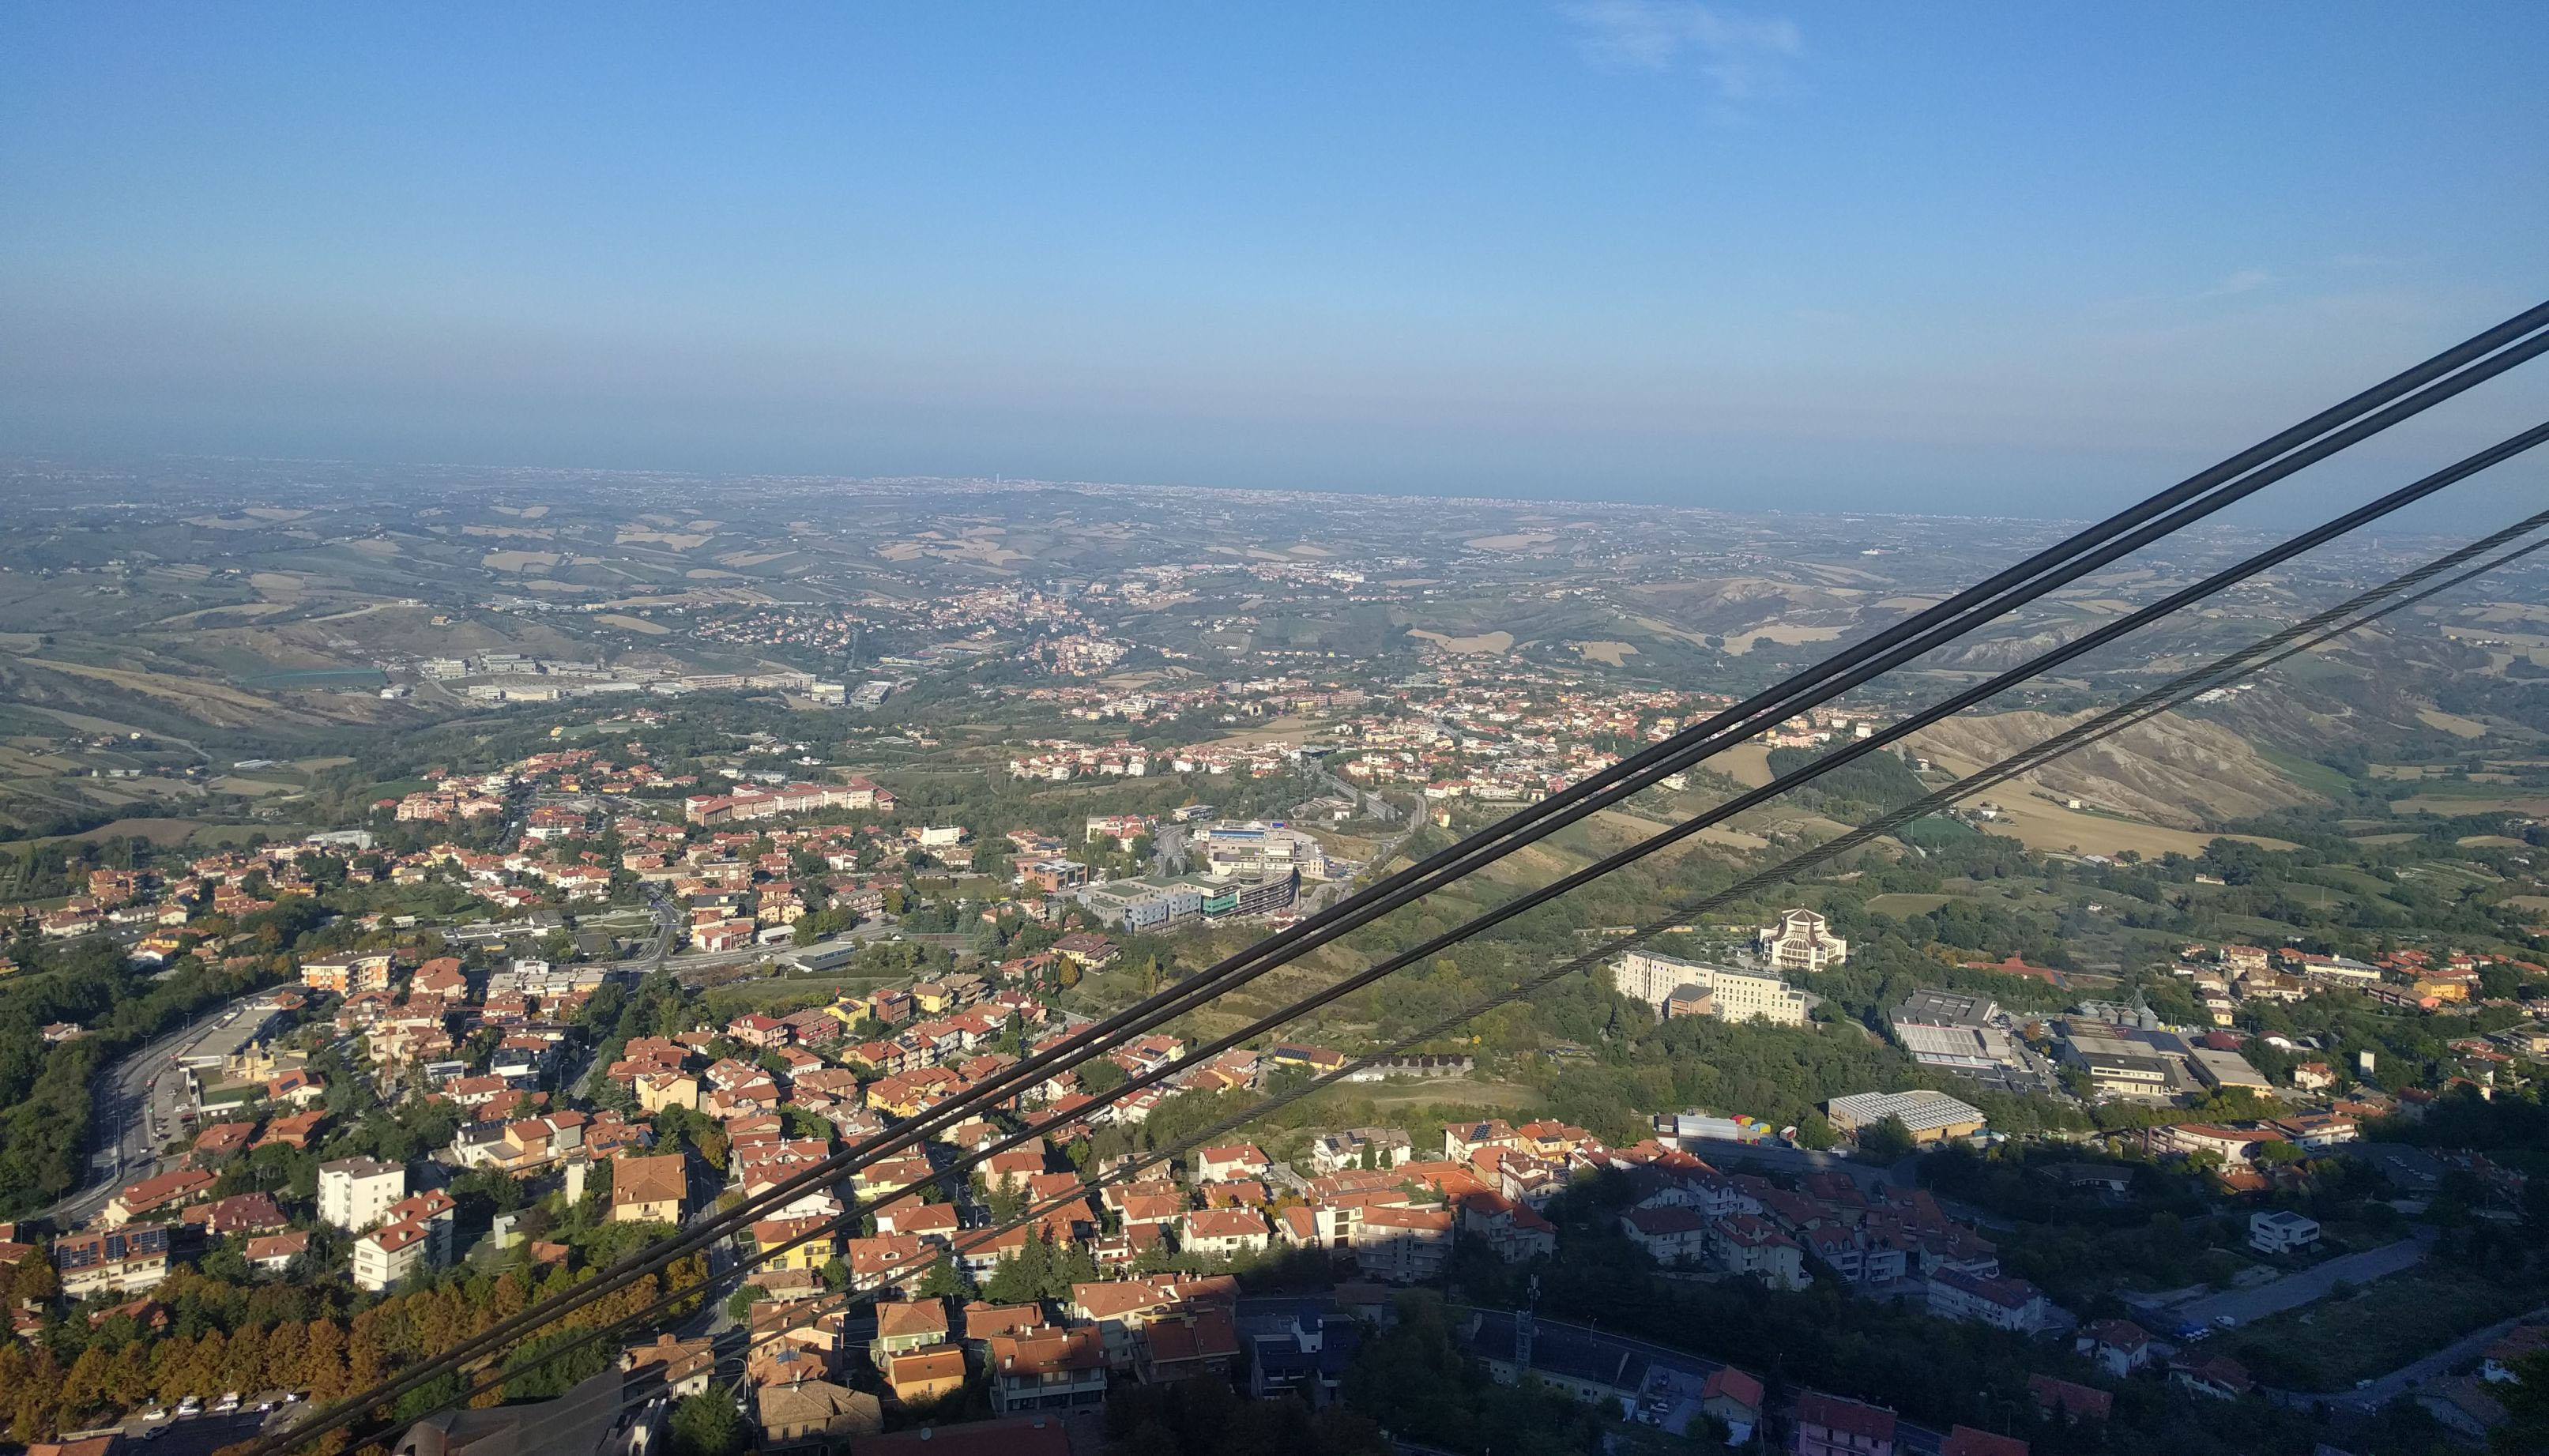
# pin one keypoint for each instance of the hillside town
(1600, 728)
(515, 1017)
(1067, 1264)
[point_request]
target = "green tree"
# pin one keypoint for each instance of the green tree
(707, 1426)
(945, 1280)
(544, 1367)
(1885, 1143)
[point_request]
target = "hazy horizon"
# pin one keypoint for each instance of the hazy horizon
(1629, 251)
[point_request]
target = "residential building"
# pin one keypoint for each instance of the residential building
(355, 1191)
(659, 1090)
(2002, 1304)
(348, 975)
(2118, 1346)
(2521, 1343)
(1829, 1426)
(2069, 1399)
(1382, 1147)
(649, 1190)
(126, 1260)
(1051, 1369)
(1307, 1358)
(1300, 1056)
(1189, 1342)
(2466, 1407)
(390, 1253)
(2315, 1132)
(435, 1212)
(2233, 1145)
(814, 1416)
(1402, 1246)
(906, 1325)
(2218, 1375)
(1461, 1141)
(164, 1193)
(2282, 1231)
(1746, 1244)
(1225, 1231)
(1966, 1441)
(1733, 1397)
(925, 1374)
(685, 1366)
(1232, 1160)
(1671, 1234)
(274, 1253)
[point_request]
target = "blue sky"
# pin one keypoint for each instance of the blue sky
(1969, 257)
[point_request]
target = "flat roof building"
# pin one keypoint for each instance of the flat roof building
(2227, 1070)
(1929, 1116)
(1930, 1007)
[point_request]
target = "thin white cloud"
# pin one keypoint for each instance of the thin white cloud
(1742, 58)
(2246, 280)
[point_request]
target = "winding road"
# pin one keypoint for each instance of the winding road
(133, 1109)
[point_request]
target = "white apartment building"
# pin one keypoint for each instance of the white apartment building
(1737, 995)
(1339, 1151)
(356, 1192)
(2282, 1231)
(385, 1256)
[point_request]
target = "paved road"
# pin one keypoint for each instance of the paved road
(698, 960)
(2295, 1289)
(1168, 851)
(1371, 804)
(191, 1436)
(2407, 1377)
(1318, 897)
(124, 1104)
(668, 924)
